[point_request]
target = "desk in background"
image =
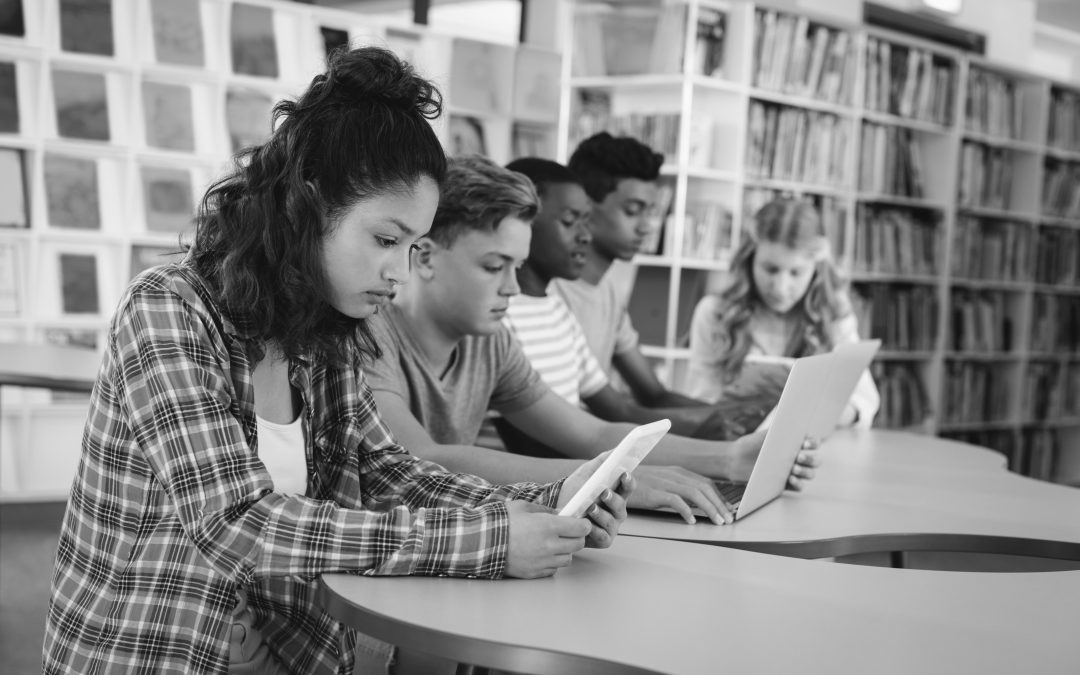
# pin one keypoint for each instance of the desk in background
(50, 367)
(653, 605)
(891, 491)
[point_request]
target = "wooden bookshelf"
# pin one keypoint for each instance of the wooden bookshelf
(108, 140)
(953, 204)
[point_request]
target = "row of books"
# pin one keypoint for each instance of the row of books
(904, 402)
(904, 318)
(890, 161)
(592, 113)
(1055, 324)
(797, 56)
(1030, 453)
(1071, 385)
(994, 105)
(985, 176)
(909, 82)
(794, 144)
(976, 392)
(985, 248)
(982, 321)
(707, 231)
(1064, 131)
(831, 210)
(1061, 189)
(1043, 396)
(1057, 256)
(896, 240)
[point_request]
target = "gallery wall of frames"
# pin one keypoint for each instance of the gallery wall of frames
(116, 114)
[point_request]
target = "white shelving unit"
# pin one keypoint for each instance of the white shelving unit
(897, 245)
(169, 100)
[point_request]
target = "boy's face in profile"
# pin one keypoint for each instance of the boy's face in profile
(476, 276)
(561, 236)
(620, 223)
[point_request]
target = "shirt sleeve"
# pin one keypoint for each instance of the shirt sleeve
(703, 377)
(865, 399)
(592, 377)
(384, 373)
(626, 336)
(179, 399)
(517, 385)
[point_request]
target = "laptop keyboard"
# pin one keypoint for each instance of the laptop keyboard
(732, 492)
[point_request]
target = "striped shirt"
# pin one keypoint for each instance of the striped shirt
(171, 512)
(555, 345)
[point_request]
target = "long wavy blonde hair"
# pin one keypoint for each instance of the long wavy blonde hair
(797, 225)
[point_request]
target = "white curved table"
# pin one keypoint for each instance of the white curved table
(652, 605)
(891, 491)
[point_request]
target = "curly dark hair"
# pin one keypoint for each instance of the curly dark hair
(476, 195)
(602, 160)
(359, 130)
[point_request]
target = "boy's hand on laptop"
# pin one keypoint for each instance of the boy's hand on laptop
(806, 463)
(540, 541)
(680, 490)
(742, 456)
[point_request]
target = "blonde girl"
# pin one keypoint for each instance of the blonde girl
(785, 299)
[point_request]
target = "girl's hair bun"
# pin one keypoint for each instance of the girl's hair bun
(374, 73)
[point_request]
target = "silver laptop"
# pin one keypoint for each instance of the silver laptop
(809, 382)
(852, 360)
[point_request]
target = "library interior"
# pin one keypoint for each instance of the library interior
(794, 179)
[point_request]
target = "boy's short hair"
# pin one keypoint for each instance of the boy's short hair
(602, 160)
(476, 195)
(544, 172)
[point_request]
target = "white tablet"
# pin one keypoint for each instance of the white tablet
(623, 459)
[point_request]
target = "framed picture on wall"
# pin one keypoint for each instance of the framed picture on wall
(82, 105)
(177, 30)
(79, 283)
(71, 192)
(253, 45)
(13, 194)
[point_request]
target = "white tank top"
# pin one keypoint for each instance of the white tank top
(281, 449)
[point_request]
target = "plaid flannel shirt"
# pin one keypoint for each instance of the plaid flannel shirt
(171, 510)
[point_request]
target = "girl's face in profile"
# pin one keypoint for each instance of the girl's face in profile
(782, 275)
(365, 254)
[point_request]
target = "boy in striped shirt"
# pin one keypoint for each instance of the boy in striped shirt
(549, 333)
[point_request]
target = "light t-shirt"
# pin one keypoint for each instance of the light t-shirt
(281, 450)
(601, 311)
(485, 372)
(554, 343)
(705, 380)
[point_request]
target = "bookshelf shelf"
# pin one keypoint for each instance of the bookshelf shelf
(989, 425)
(897, 355)
(1002, 214)
(669, 81)
(796, 187)
(801, 102)
(1002, 142)
(897, 200)
(904, 122)
(992, 285)
(866, 277)
(1063, 154)
(983, 356)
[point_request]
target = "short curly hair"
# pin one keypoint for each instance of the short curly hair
(602, 160)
